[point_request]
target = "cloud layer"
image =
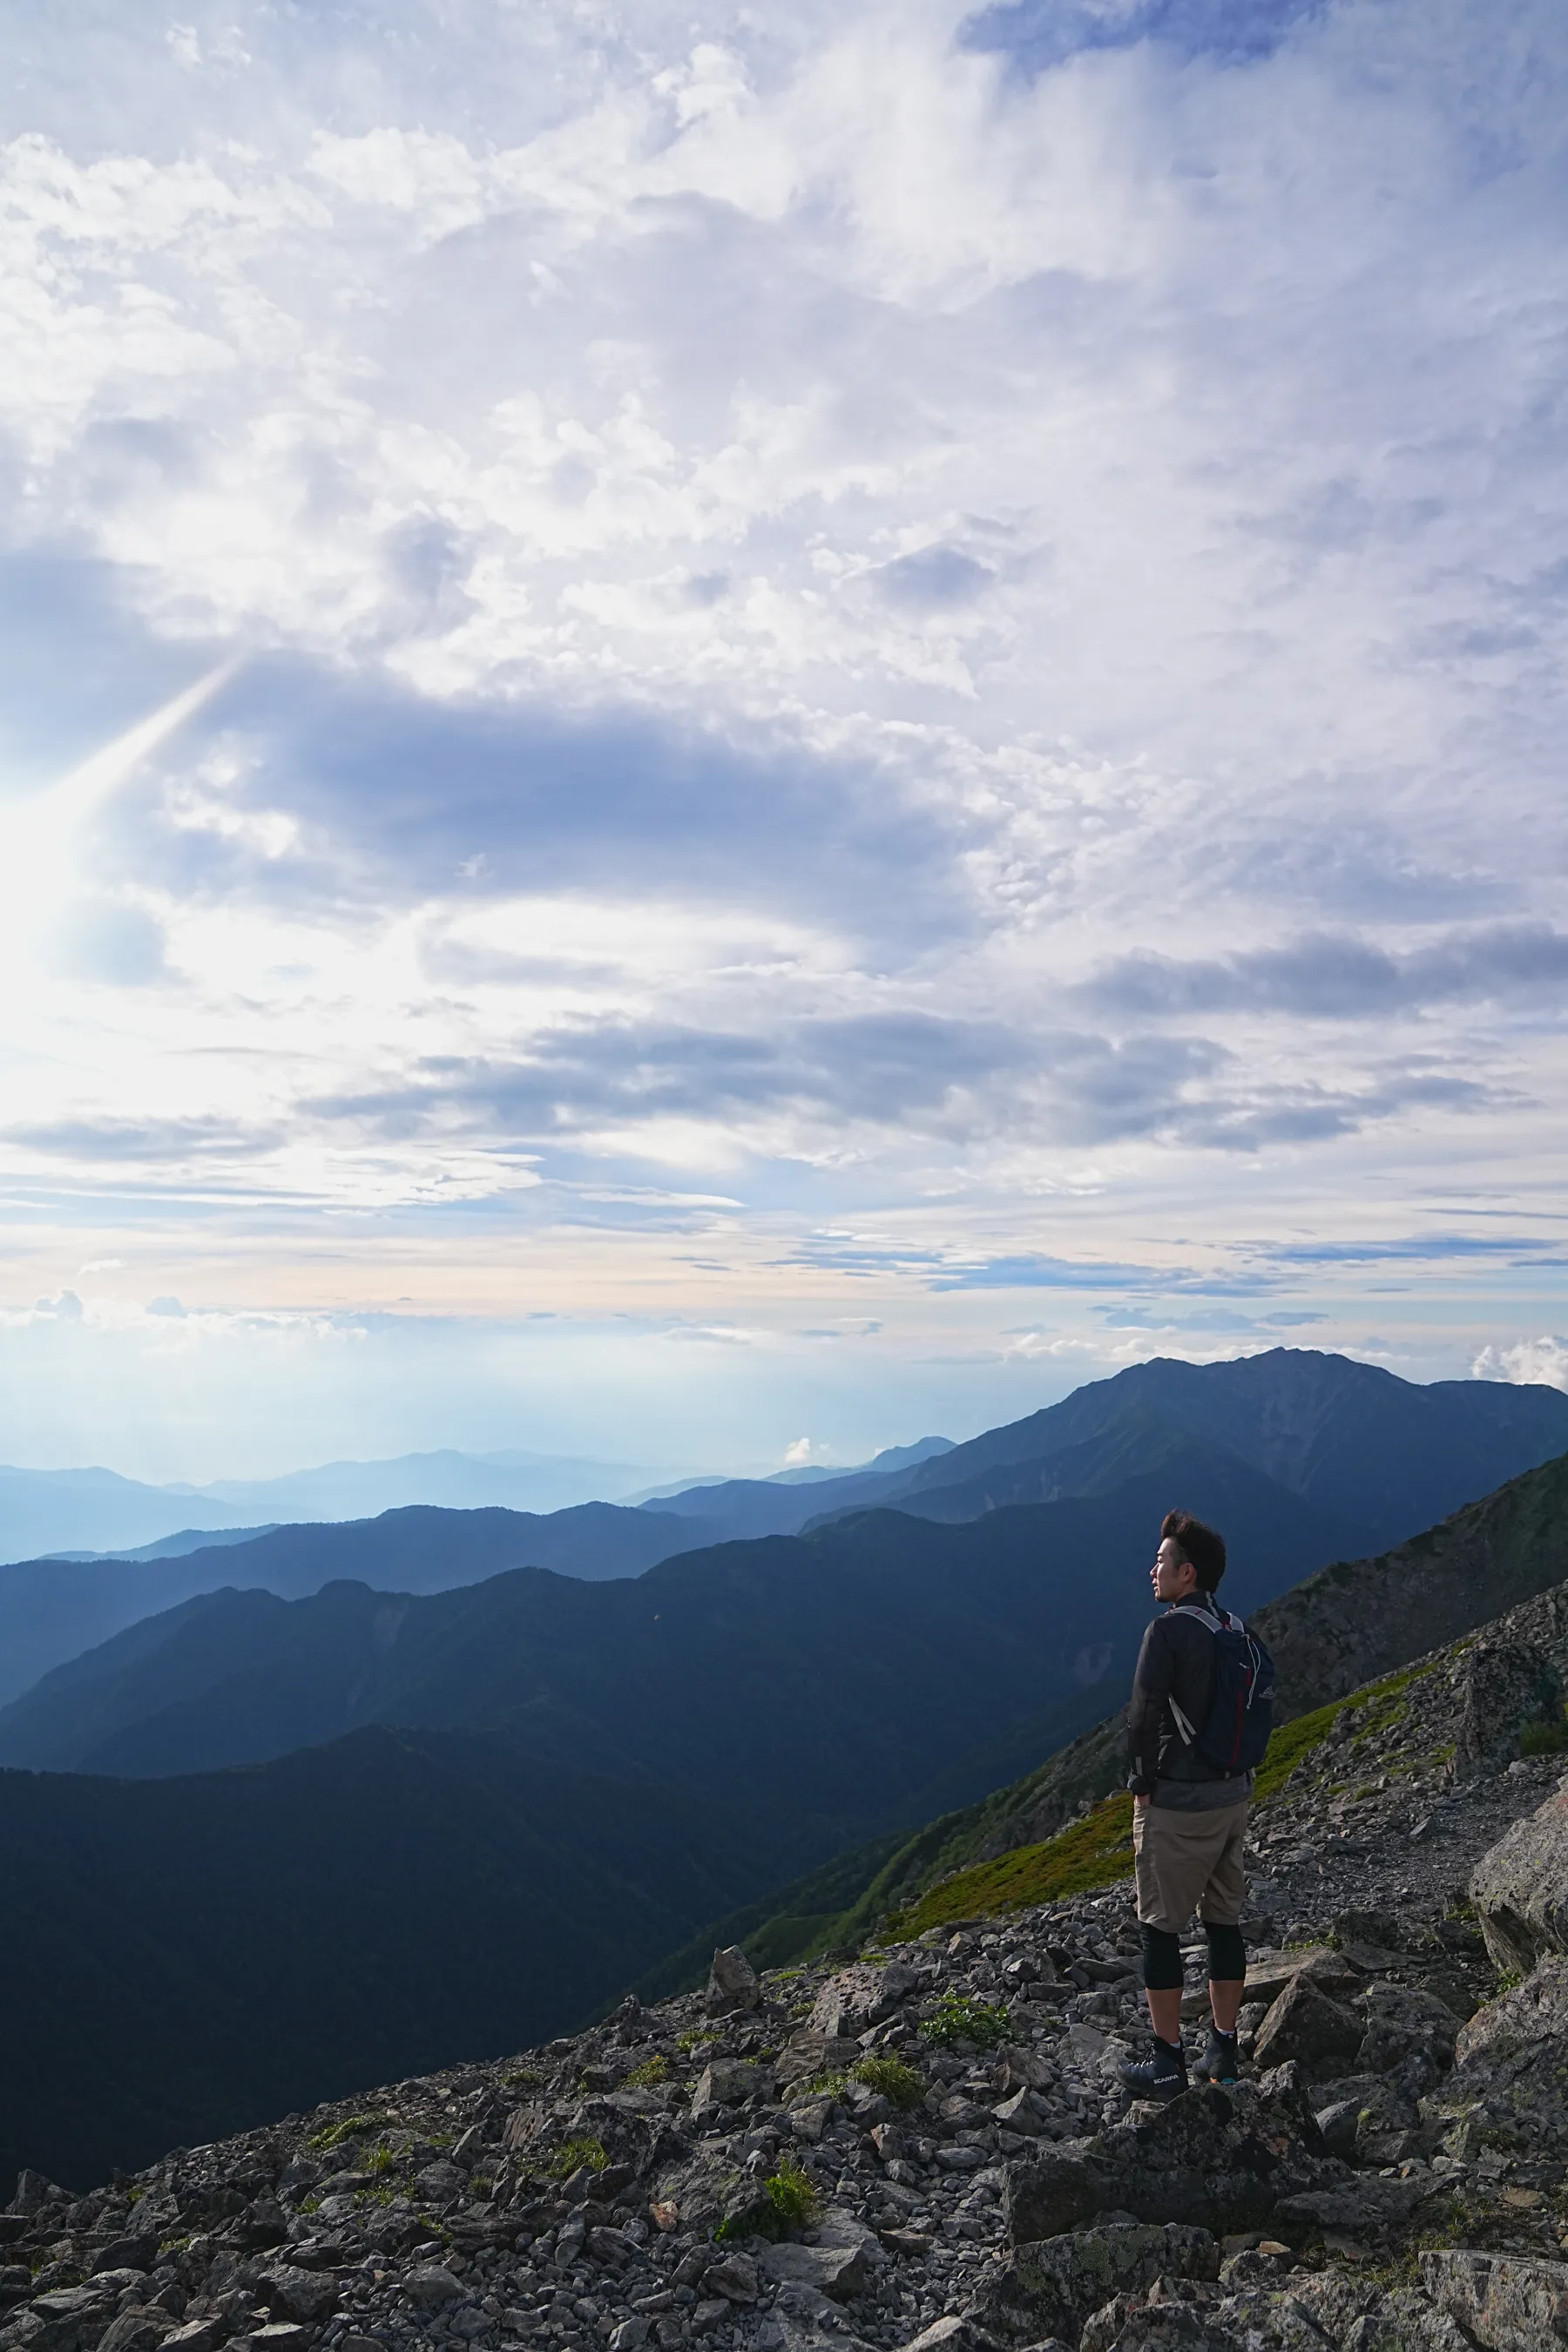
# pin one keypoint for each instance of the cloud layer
(914, 643)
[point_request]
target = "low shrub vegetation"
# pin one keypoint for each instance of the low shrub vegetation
(792, 2193)
(897, 2082)
(820, 2086)
(351, 2128)
(962, 2018)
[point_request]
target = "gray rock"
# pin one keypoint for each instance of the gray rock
(1170, 2328)
(862, 1996)
(1506, 2301)
(441, 2183)
(1305, 2024)
(1509, 2061)
(34, 2190)
(1403, 2021)
(1330, 2314)
(65, 2317)
(130, 2253)
(839, 2265)
(430, 2284)
(732, 1983)
(278, 2336)
(142, 2328)
(724, 2084)
(803, 2320)
(295, 2293)
(196, 2335)
(808, 2053)
(631, 2335)
(1017, 2114)
(947, 2334)
(1053, 2287)
(1404, 2321)
(1366, 2202)
(735, 2278)
(1338, 2126)
(1212, 2160)
(1521, 1888)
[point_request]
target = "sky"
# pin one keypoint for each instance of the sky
(729, 734)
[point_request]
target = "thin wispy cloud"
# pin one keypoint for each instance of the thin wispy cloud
(940, 621)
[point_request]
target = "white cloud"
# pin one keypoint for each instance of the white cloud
(937, 648)
(1527, 1360)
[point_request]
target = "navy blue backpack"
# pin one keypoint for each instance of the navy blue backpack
(1235, 1732)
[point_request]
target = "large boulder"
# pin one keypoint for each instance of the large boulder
(839, 2261)
(1404, 2022)
(1510, 2065)
(732, 1983)
(801, 2320)
(1506, 2301)
(809, 2053)
(1215, 2160)
(1052, 2288)
(1304, 2023)
(863, 1996)
(726, 2082)
(1168, 2326)
(1520, 1888)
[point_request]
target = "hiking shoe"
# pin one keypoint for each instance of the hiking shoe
(1162, 2077)
(1220, 2062)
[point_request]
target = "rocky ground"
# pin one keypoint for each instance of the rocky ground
(930, 2144)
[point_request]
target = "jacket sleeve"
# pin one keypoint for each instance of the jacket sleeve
(1151, 1686)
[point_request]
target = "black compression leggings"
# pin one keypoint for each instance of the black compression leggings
(1162, 1961)
(1227, 1954)
(1162, 1957)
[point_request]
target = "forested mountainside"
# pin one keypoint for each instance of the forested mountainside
(53, 1610)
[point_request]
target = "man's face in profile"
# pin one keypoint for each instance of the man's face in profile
(1173, 1574)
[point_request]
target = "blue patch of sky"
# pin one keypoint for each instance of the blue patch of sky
(1517, 1248)
(1035, 35)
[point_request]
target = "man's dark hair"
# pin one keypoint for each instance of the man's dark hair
(1199, 1544)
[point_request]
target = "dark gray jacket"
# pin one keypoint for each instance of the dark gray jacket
(1176, 1661)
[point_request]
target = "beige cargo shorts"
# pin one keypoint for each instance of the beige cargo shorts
(1189, 1862)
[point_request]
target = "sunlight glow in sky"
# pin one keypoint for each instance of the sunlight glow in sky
(716, 727)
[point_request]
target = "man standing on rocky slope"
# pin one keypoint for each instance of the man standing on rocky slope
(1189, 1817)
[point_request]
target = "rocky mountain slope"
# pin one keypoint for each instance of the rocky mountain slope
(928, 2145)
